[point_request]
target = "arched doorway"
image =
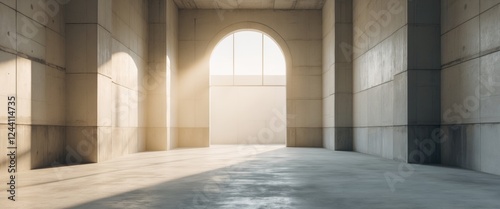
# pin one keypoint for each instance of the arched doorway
(247, 90)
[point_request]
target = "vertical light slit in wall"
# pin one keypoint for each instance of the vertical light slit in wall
(232, 35)
(262, 54)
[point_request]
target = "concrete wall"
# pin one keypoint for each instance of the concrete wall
(77, 70)
(82, 77)
(337, 75)
(107, 60)
(396, 79)
(379, 78)
(300, 34)
(32, 65)
(470, 95)
(105, 107)
(129, 64)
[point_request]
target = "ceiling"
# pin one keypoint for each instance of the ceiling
(250, 4)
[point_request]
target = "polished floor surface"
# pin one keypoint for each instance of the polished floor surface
(254, 177)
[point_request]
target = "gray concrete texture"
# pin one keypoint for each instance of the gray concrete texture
(256, 177)
(470, 84)
(396, 78)
(337, 76)
(380, 78)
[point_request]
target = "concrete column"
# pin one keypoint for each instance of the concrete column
(396, 79)
(304, 83)
(337, 75)
(157, 87)
(424, 81)
(172, 26)
(88, 81)
(107, 80)
(162, 76)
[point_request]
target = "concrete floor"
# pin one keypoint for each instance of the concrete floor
(253, 177)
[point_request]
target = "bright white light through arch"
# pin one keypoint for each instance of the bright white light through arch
(247, 58)
(247, 89)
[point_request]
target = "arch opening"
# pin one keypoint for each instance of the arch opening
(247, 90)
